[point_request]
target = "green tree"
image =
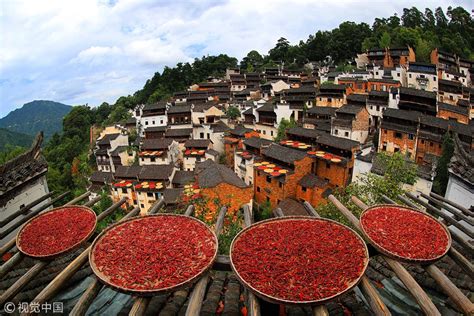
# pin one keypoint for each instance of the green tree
(10, 152)
(440, 181)
(282, 127)
(385, 40)
(233, 112)
(252, 62)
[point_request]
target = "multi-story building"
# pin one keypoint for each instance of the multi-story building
(151, 115)
(351, 122)
(179, 116)
(422, 76)
(159, 151)
(194, 152)
(333, 95)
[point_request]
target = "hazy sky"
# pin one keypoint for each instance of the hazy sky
(79, 52)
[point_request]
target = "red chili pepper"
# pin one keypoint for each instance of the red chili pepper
(56, 231)
(154, 252)
(299, 260)
(404, 232)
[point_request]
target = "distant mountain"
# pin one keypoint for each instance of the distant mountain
(14, 139)
(39, 115)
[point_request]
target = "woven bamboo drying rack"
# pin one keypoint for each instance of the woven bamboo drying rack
(196, 297)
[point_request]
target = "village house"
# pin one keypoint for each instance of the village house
(179, 116)
(252, 93)
(214, 132)
(180, 97)
(351, 122)
(181, 135)
(377, 102)
(311, 82)
(155, 132)
(158, 151)
(453, 112)
(291, 165)
(389, 74)
(244, 157)
(269, 115)
(105, 144)
(269, 88)
(454, 76)
(233, 140)
(122, 156)
(252, 80)
(444, 61)
(452, 91)
(23, 180)
(382, 84)
(151, 115)
(199, 97)
(182, 178)
(298, 99)
(194, 152)
(220, 186)
(391, 57)
(319, 118)
(466, 68)
(357, 99)
(353, 84)
(422, 76)
(417, 100)
(332, 95)
(237, 82)
(398, 132)
(99, 181)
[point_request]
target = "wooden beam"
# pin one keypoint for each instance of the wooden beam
(278, 212)
(29, 216)
(58, 282)
(24, 209)
(452, 210)
(253, 303)
(441, 214)
(189, 210)
(11, 263)
(16, 287)
(456, 205)
(410, 283)
(197, 295)
(407, 202)
(111, 209)
(140, 306)
(156, 206)
(87, 298)
(79, 198)
(440, 278)
(371, 295)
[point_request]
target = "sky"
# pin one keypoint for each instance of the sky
(91, 51)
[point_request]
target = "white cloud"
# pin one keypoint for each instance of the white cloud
(92, 51)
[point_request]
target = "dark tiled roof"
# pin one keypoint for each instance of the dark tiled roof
(178, 132)
(172, 196)
(311, 180)
(127, 172)
(383, 80)
(182, 177)
(202, 107)
(131, 120)
(21, 169)
(462, 162)
(285, 154)
(291, 207)
(305, 132)
(257, 142)
(355, 97)
(350, 109)
(212, 152)
(453, 108)
(155, 129)
(402, 114)
(179, 109)
(338, 142)
(418, 93)
(100, 176)
(450, 83)
(107, 138)
(197, 143)
(156, 172)
(322, 110)
(155, 106)
(376, 93)
(156, 143)
(240, 130)
(331, 86)
(219, 127)
(267, 107)
(248, 111)
(211, 174)
(118, 150)
(422, 68)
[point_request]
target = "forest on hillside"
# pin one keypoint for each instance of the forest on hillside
(453, 31)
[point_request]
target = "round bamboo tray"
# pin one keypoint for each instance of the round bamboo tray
(106, 280)
(398, 257)
(66, 250)
(275, 300)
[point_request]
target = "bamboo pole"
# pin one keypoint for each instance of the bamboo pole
(56, 284)
(189, 210)
(29, 216)
(79, 198)
(440, 278)
(278, 212)
(370, 293)
(93, 201)
(253, 303)
(456, 205)
(87, 298)
(197, 295)
(450, 209)
(410, 283)
(407, 202)
(440, 213)
(11, 263)
(156, 206)
(24, 209)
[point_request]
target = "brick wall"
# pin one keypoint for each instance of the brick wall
(313, 196)
(426, 146)
(451, 115)
(404, 143)
(337, 174)
(227, 194)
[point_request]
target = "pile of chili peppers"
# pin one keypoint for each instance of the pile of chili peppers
(405, 233)
(155, 252)
(56, 231)
(299, 260)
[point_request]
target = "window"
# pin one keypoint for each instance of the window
(328, 165)
(434, 78)
(208, 136)
(161, 121)
(384, 147)
(264, 132)
(142, 205)
(398, 74)
(146, 122)
(411, 136)
(335, 131)
(431, 144)
(124, 190)
(271, 133)
(371, 107)
(149, 194)
(329, 99)
(378, 108)
(346, 134)
(396, 150)
(269, 179)
(153, 122)
(409, 75)
(303, 189)
(258, 189)
(385, 131)
(280, 184)
(201, 135)
(398, 135)
(268, 199)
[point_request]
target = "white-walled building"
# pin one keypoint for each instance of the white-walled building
(158, 151)
(422, 76)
